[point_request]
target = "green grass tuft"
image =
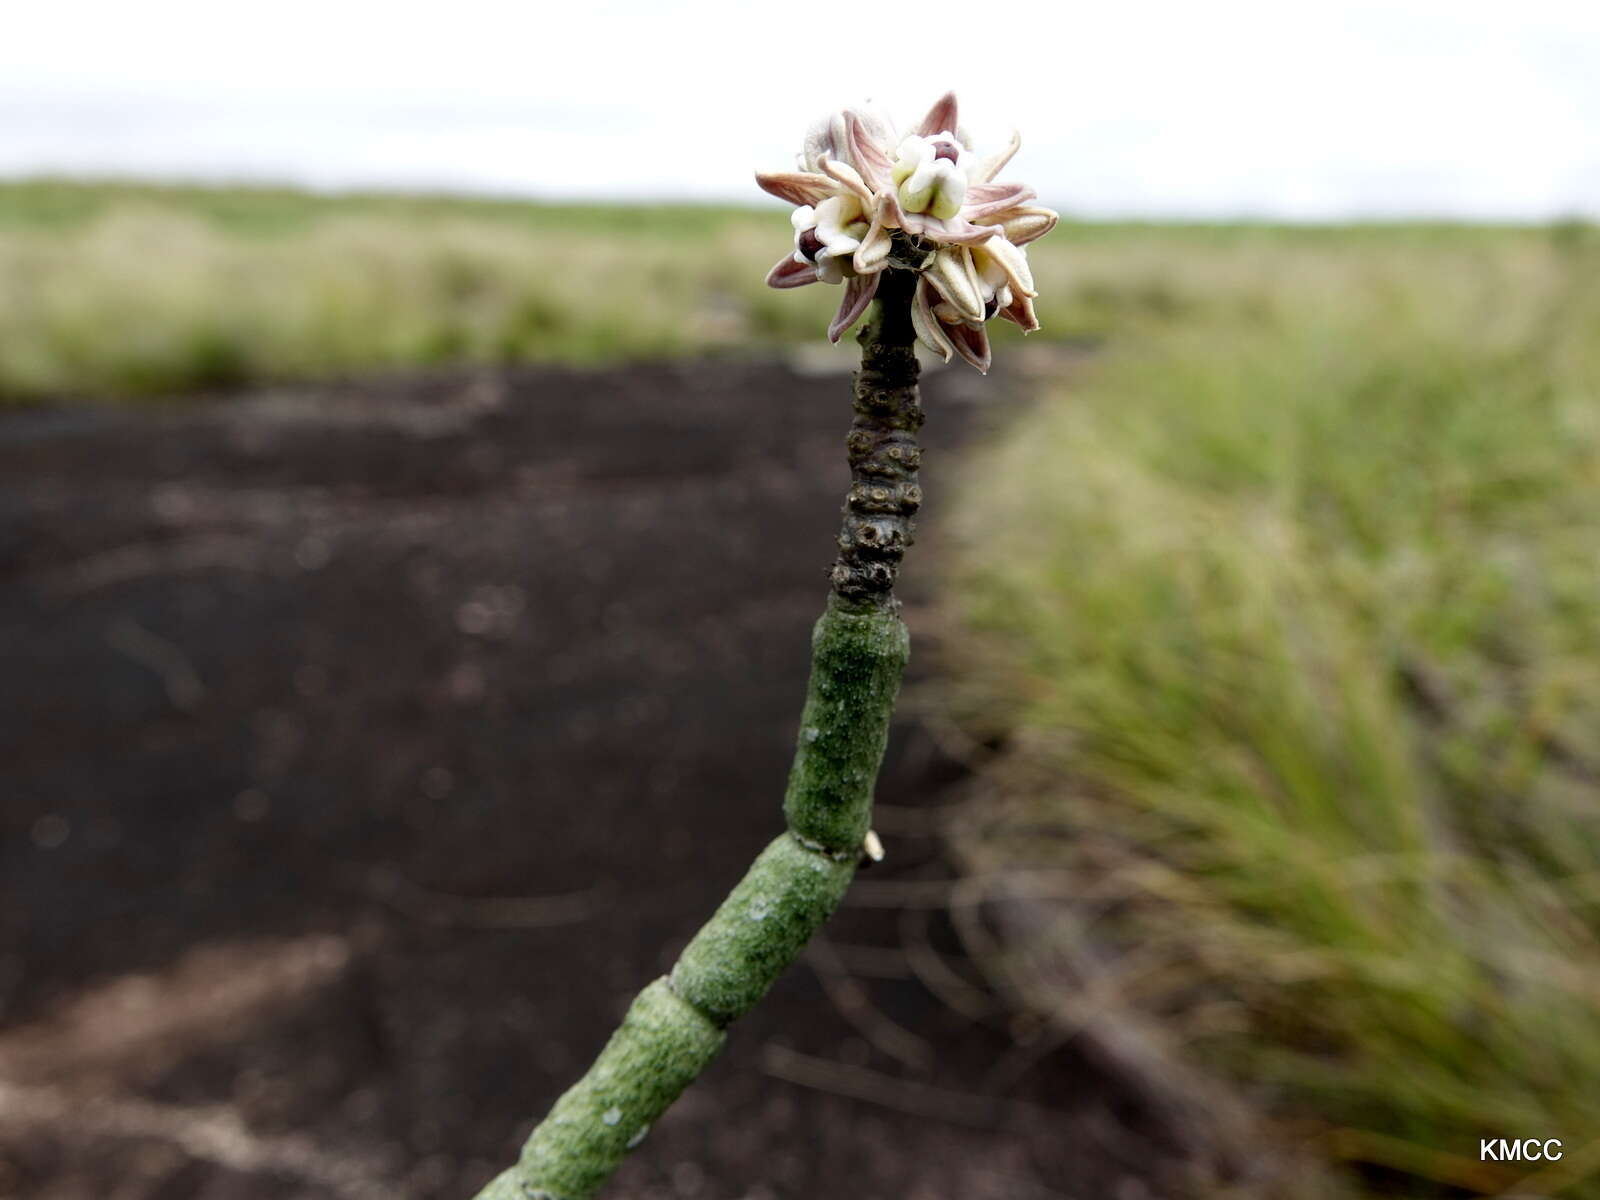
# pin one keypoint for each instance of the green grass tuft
(1290, 610)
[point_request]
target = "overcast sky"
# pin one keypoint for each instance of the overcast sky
(1301, 110)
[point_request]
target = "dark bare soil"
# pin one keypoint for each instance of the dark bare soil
(365, 748)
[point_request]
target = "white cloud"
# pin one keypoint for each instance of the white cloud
(1318, 110)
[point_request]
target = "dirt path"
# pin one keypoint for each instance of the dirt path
(363, 749)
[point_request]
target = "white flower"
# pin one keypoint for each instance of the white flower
(929, 175)
(963, 288)
(854, 194)
(831, 217)
(828, 235)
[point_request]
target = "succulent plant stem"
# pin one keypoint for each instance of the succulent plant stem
(675, 1027)
(882, 446)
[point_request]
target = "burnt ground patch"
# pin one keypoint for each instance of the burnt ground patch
(365, 748)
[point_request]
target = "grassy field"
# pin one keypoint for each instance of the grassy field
(1283, 605)
(132, 291)
(1288, 612)
(125, 290)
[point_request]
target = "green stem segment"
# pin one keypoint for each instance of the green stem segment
(675, 1027)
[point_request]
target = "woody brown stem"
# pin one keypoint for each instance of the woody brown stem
(883, 452)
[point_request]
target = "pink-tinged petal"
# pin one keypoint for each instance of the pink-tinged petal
(858, 293)
(865, 154)
(953, 274)
(972, 343)
(929, 331)
(825, 139)
(1014, 263)
(791, 273)
(913, 223)
(991, 165)
(957, 231)
(889, 210)
(1020, 313)
(941, 117)
(1025, 224)
(797, 187)
(846, 175)
(992, 199)
(872, 255)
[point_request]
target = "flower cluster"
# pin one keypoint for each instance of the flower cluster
(859, 186)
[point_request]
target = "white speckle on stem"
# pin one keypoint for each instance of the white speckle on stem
(611, 1115)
